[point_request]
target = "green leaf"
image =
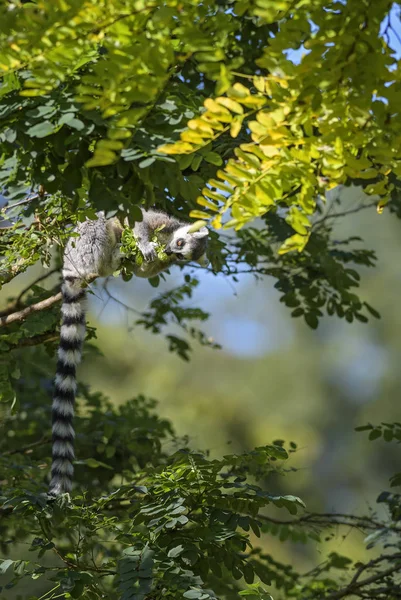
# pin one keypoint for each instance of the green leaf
(364, 427)
(94, 464)
(154, 281)
(213, 158)
(312, 320)
(192, 594)
(372, 311)
(41, 130)
(5, 564)
(147, 162)
(176, 551)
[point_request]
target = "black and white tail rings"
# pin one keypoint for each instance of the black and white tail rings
(72, 335)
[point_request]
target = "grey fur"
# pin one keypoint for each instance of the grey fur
(169, 232)
(94, 251)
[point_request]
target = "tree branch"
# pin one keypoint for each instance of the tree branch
(22, 314)
(354, 585)
(43, 338)
(327, 519)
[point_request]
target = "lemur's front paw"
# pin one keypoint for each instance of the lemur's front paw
(149, 252)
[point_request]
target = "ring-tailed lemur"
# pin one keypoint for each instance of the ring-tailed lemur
(95, 251)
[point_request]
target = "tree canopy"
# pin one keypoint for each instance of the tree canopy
(242, 114)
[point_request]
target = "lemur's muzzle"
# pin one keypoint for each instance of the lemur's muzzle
(168, 250)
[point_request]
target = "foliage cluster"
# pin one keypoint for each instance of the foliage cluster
(152, 518)
(95, 94)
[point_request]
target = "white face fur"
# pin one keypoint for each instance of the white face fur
(189, 246)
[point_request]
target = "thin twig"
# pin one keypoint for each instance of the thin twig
(343, 214)
(28, 287)
(24, 201)
(41, 442)
(120, 302)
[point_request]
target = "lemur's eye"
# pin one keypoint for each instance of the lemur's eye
(180, 243)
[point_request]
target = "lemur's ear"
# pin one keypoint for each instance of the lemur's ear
(203, 232)
(203, 260)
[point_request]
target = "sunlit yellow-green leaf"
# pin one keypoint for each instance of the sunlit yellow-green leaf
(177, 148)
(264, 194)
(109, 145)
(200, 126)
(298, 221)
(259, 130)
(231, 223)
(253, 101)
(118, 134)
(220, 185)
(295, 242)
(238, 91)
(102, 158)
(206, 203)
(382, 204)
(215, 56)
(379, 188)
(332, 162)
(269, 151)
(199, 214)
(192, 137)
(260, 83)
(214, 195)
(235, 168)
(337, 174)
(248, 158)
(231, 104)
(266, 119)
(33, 92)
(130, 117)
(366, 174)
(218, 126)
(235, 127)
(214, 107)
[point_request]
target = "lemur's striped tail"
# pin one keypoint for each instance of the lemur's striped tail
(72, 335)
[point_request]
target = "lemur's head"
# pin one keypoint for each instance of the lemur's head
(188, 245)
